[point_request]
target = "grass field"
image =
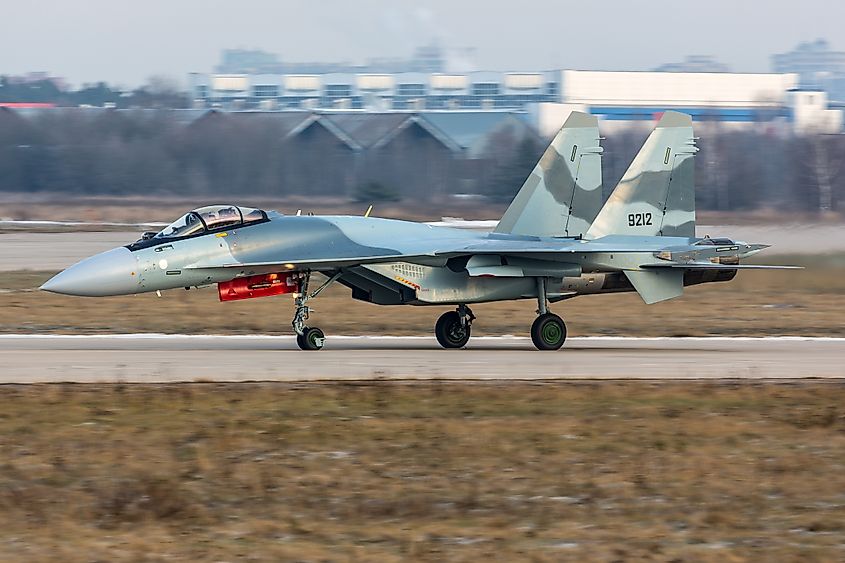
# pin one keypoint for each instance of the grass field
(809, 302)
(433, 471)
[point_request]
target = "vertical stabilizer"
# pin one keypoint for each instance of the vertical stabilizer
(656, 196)
(562, 195)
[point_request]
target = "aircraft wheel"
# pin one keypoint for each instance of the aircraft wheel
(311, 339)
(548, 332)
(450, 332)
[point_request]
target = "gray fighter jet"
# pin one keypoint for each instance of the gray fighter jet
(555, 241)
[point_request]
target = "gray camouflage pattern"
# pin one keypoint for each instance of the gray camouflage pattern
(562, 195)
(393, 262)
(658, 189)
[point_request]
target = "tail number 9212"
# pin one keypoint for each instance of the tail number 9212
(639, 219)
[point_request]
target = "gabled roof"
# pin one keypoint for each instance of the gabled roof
(444, 139)
(360, 131)
(459, 131)
(471, 129)
(286, 120)
(317, 120)
(367, 129)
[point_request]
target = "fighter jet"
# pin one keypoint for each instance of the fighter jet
(556, 241)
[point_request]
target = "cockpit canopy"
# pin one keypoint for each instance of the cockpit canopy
(211, 218)
(707, 241)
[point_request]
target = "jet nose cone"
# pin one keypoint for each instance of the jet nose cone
(108, 273)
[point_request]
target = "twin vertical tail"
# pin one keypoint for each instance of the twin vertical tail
(656, 196)
(562, 195)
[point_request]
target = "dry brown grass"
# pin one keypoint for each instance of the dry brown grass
(809, 302)
(433, 471)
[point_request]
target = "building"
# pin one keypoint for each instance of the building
(811, 113)
(615, 96)
(419, 155)
(251, 61)
(427, 58)
(623, 99)
(811, 61)
(695, 63)
(377, 91)
(817, 67)
(618, 98)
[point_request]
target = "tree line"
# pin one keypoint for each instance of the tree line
(96, 152)
(158, 92)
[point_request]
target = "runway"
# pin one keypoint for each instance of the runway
(185, 358)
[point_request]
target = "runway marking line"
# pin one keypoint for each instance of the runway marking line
(163, 336)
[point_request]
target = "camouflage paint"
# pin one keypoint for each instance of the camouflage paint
(399, 262)
(656, 195)
(562, 195)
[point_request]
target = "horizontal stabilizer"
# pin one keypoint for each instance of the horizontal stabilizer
(712, 266)
(657, 285)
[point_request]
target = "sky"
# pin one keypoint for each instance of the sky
(125, 43)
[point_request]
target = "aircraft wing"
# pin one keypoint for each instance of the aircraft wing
(533, 249)
(712, 266)
(530, 248)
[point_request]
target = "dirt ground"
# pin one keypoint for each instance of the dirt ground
(809, 302)
(433, 471)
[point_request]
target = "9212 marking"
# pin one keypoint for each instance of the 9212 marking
(639, 219)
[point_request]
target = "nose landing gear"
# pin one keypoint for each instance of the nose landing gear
(308, 338)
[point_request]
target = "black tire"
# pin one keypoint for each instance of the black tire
(312, 339)
(450, 332)
(548, 332)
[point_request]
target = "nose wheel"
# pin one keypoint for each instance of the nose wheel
(454, 328)
(312, 338)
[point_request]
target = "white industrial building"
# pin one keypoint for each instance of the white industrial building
(618, 98)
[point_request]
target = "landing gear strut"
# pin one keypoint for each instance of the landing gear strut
(308, 338)
(548, 332)
(454, 328)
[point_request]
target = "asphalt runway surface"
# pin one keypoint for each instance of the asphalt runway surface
(185, 358)
(56, 251)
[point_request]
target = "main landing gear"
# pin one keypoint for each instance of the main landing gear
(453, 329)
(308, 338)
(548, 331)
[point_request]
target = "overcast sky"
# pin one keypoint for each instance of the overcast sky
(127, 42)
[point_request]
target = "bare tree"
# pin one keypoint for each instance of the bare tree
(828, 157)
